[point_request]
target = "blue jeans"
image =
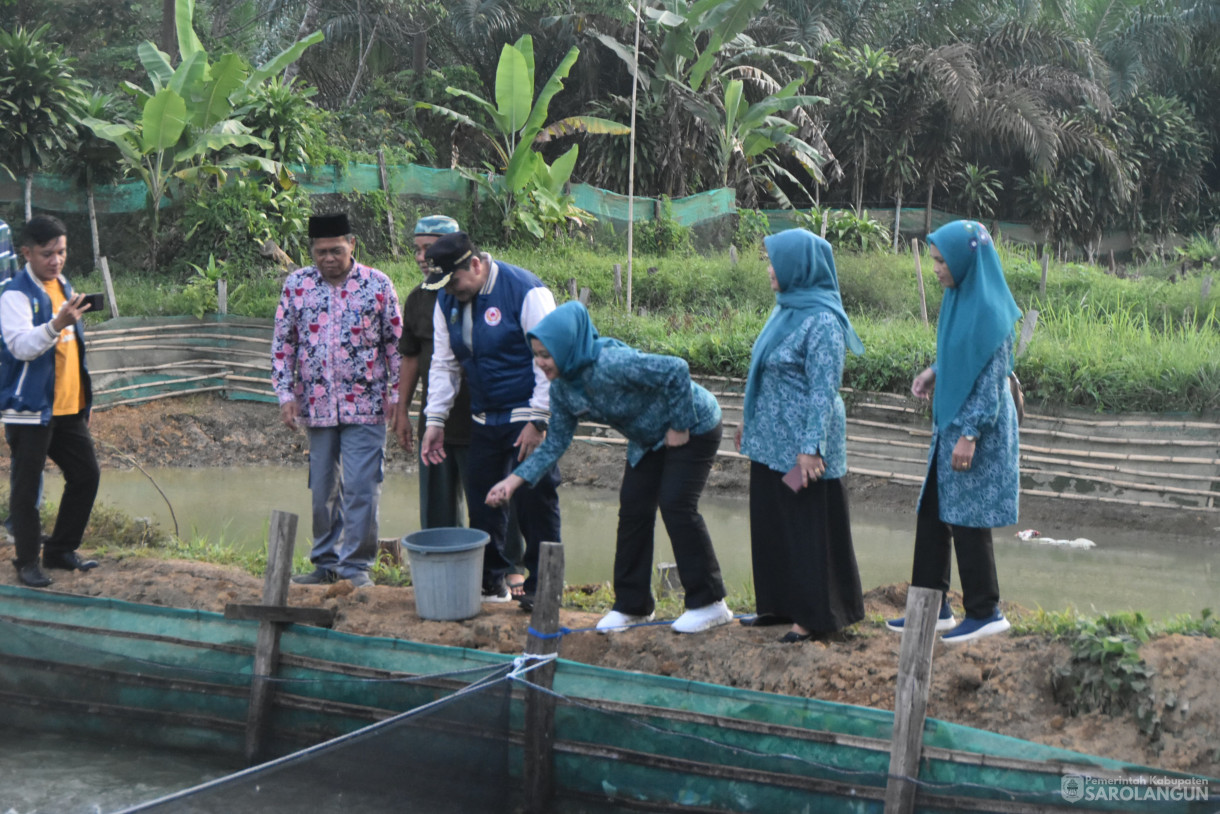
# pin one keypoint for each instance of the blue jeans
(346, 467)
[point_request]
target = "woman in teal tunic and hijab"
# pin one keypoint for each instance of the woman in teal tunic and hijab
(972, 484)
(794, 432)
(673, 431)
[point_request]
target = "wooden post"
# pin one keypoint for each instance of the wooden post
(825, 220)
(539, 740)
(585, 293)
(1027, 331)
(281, 536)
(618, 283)
(732, 254)
(923, 298)
(571, 288)
(911, 698)
(389, 210)
(222, 296)
(1204, 290)
(1046, 263)
(114, 306)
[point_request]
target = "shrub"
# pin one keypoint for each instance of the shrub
(234, 219)
(663, 235)
(1107, 674)
(752, 227)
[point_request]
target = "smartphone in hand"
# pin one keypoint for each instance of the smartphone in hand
(793, 480)
(94, 301)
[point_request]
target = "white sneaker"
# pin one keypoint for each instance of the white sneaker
(616, 622)
(698, 620)
(502, 595)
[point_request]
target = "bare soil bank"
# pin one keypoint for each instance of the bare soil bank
(1002, 684)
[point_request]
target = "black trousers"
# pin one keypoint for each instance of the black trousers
(671, 479)
(975, 555)
(490, 459)
(67, 442)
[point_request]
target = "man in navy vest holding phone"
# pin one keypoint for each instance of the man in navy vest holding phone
(45, 397)
(483, 311)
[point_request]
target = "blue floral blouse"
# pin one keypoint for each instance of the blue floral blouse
(986, 494)
(640, 395)
(799, 410)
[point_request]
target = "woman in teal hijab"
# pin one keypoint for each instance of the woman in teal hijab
(672, 427)
(795, 434)
(972, 484)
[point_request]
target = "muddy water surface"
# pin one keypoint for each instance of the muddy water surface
(1161, 575)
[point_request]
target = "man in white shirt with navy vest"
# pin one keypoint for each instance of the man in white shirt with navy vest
(483, 311)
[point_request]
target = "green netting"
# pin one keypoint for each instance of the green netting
(62, 194)
(622, 741)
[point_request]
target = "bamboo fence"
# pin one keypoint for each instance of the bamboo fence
(1153, 461)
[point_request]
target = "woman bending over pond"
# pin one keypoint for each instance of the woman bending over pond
(673, 430)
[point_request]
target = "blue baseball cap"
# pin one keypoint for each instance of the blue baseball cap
(436, 225)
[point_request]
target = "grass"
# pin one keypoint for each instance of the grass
(1103, 343)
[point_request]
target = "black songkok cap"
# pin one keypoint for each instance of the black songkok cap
(334, 225)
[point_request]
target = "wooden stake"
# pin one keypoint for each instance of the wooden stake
(1027, 331)
(911, 698)
(114, 306)
(1046, 264)
(539, 740)
(389, 212)
(923, 298)
(618, 283)
(222, 296)
(281, 536)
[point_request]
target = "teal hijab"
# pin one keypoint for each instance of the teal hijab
(569, 336)
(805, 270)
(976, 315)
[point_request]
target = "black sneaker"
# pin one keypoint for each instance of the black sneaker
(319, 576)
(67, 561)
(30, 574)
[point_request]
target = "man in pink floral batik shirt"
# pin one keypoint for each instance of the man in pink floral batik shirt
(334, 364)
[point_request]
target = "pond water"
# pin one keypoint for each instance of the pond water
(54, 774)
(1128, 570)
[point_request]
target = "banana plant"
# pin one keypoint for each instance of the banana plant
(749, 136)
(516, 123)
(191, 117)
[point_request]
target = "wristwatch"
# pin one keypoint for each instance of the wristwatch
(539, 424)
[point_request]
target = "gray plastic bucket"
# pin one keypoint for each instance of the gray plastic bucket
(447, 572)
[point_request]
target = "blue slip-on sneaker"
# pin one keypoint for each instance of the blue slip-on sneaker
(944, 621)
(971, 629)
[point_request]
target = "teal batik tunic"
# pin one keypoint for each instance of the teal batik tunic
(799, 410)
(986, 494)
(641, 395)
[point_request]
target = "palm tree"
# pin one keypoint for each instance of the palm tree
(39, 97)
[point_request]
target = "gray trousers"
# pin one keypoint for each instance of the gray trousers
(346, 468)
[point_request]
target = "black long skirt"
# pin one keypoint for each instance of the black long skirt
(804, 562)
